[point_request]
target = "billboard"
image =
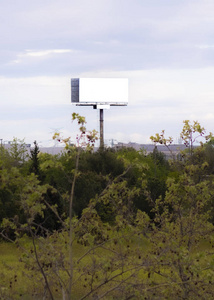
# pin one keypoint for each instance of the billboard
(99, 91)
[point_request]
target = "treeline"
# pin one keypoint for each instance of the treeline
(146, 172)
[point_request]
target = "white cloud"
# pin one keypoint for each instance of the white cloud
(205, 46)
(46, 52)
(40, 54)
(32, 91)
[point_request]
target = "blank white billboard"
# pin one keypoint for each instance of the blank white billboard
(111, 91)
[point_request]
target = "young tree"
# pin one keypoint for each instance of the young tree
(33, 201)
(191, 132)
(18, 152)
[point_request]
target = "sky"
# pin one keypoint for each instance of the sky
(164, 47)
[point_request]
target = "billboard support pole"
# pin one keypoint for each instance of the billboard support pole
(101, 130)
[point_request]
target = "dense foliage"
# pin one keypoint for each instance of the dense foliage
(111, 224)
(96, 171)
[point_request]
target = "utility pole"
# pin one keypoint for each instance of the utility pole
(101, 130)
(1, 145)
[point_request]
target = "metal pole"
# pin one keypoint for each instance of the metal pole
(101, 130)
(1, 147)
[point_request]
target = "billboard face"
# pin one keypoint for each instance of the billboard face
(112, 91)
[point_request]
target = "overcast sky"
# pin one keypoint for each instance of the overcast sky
(164, 47)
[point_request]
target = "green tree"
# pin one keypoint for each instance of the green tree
(178, 243)
(191, 132)
(34, 157)
(18, 152)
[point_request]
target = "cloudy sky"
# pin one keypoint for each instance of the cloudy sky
(164, 47)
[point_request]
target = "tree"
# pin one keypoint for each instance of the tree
(183, 224)
(191, 132)
(18, 152)
(33, 201)
(34, 167)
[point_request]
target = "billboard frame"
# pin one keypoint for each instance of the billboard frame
(99, 91)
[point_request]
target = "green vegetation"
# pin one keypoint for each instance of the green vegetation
(108, 224)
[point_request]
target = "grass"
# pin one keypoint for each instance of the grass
(12, 280)
(18, 280)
